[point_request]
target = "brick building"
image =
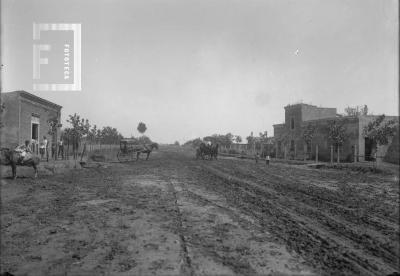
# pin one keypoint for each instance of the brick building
(290, 143)
(25, 117)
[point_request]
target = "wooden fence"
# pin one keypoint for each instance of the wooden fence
(69, 152)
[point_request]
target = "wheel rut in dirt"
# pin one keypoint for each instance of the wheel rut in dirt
(377, 256)
(187, 268)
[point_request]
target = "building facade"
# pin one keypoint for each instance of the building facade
(289, 141)
(26, 117)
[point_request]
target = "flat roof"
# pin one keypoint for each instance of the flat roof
(310, 105)
(32, 97)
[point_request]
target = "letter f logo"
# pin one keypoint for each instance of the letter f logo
(37, 48)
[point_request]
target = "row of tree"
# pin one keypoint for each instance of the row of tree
(224, 140)
(80, 131)
(228, 139)
(80, 128)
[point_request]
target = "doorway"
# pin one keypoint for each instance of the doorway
(35, 131)
(369, 147)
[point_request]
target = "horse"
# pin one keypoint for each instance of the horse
(203, 151)
(214, 151)
(12, 158)
(145, 149)
(207, 150)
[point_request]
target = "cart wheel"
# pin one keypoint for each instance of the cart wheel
(122, 157)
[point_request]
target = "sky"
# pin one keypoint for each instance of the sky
(194, 68)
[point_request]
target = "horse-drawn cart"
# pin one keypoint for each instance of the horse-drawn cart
(127, 150)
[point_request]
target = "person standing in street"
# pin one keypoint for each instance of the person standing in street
(41, 150)
(267, 160)
(45, 145)
(61, 148)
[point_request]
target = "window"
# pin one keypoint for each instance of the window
(292, 123)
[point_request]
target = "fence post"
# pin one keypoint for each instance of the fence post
(355, 153)
(316, 153)
(331, 154)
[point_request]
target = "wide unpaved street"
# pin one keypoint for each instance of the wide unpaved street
(174, 215)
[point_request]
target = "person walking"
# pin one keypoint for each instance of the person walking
(61, 148)
(45, 144)
(257, 157)
(267, 160)
(41, 149)
(53, 150)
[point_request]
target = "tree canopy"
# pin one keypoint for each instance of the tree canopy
(80, 128)
(308, 133)
(142, 127)
(2, 108)
(356, 110)
(380, 130)
(337, 133)
(238, 139)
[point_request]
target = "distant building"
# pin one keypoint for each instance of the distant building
(289, 140)
(25, 117)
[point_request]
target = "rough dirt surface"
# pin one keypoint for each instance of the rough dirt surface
(173, 215)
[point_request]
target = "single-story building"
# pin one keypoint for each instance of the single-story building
(26, 117)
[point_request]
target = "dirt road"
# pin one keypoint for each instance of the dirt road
(174, 215)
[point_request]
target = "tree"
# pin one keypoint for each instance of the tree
(308, 133)
(380, 131)
(98, 136)
(238, 139)
(76, 131)
(283, 139)
(142, 127)
(356, 111)
(337, 133)
(193, 143)
(176, 143)
(262, 141)
(228, 139)
(250, 139)
(92, 134)
(223, 140)
(66, 136)
(85, 127)
(54, 125)
(2, 108)
(144, 140)
(110, 135)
